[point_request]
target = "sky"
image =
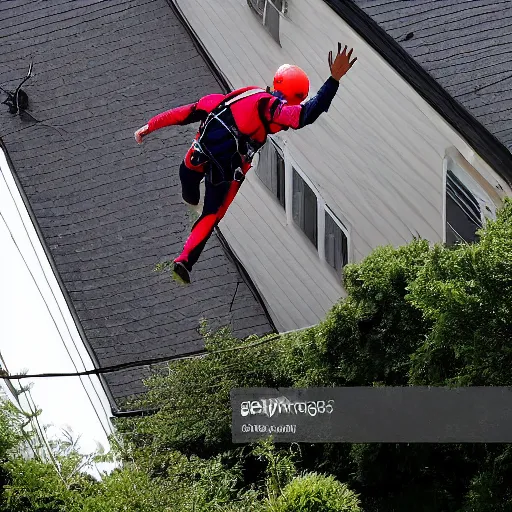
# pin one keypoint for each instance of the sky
(37, 332)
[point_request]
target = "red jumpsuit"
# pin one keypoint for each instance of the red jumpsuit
(255, 117)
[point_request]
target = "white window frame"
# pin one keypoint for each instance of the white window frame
(279, 151)
(320, 206)
(290, 164)
(345, 231)
(281, 154)
(472, 179)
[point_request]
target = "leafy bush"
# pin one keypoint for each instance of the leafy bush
(10, 428)
(414, 315)
(369, 337)
(466, 294)
(316, 493)
(194, 395)
(36, 486)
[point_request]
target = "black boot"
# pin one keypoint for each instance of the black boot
(180, 273)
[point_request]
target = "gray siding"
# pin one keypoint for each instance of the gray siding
(108, 209)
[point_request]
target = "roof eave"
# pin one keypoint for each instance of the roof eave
(482, 141)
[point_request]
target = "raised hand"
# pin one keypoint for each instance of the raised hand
(342, 62)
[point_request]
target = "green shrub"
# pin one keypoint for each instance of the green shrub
(316, 493)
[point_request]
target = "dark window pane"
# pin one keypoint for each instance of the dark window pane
(310, 215)
(463, 215)
(278, 4)
(336, 244)
(459, 228)
(298, 199)
(264, 167)
(304, 208)
(272, 18)
(270, 170)
(344, 249)
(280, 180)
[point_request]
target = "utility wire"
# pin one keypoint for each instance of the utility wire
(147, 362)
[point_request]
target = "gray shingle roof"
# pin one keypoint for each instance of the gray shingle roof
(465, 45)
(108, 209)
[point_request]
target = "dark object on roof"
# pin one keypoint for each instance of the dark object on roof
(458, 60)
(107, 209)
(17, 100)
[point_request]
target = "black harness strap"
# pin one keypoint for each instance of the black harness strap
(231, 130)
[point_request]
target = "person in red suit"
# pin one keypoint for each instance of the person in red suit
(233, 127)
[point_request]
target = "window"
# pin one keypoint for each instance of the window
(336, 243)
(271, 171)
(270, 12)
(467, 206)
(304, 208)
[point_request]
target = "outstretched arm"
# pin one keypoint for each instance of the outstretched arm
(186, 114)
(298, 116)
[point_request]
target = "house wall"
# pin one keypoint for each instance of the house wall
(376, 158)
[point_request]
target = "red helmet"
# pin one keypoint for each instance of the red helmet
(292, 82)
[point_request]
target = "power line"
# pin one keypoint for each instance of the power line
(145, 362)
